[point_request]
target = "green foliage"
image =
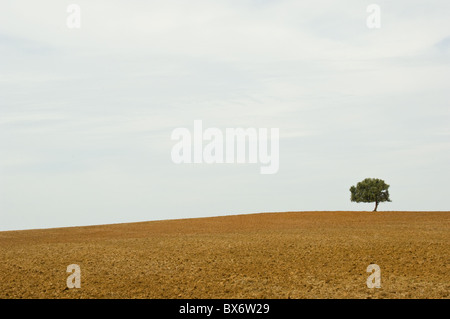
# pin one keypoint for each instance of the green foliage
(370, 190)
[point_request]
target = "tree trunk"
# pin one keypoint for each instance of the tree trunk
(376, 206)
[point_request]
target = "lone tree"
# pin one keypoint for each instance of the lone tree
(370, 190)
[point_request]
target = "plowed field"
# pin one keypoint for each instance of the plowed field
(269, 255)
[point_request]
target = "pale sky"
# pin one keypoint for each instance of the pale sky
(86, 115)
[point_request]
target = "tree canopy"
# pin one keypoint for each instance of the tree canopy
(370, 190)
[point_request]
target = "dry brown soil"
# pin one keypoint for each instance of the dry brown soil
(269, 255)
